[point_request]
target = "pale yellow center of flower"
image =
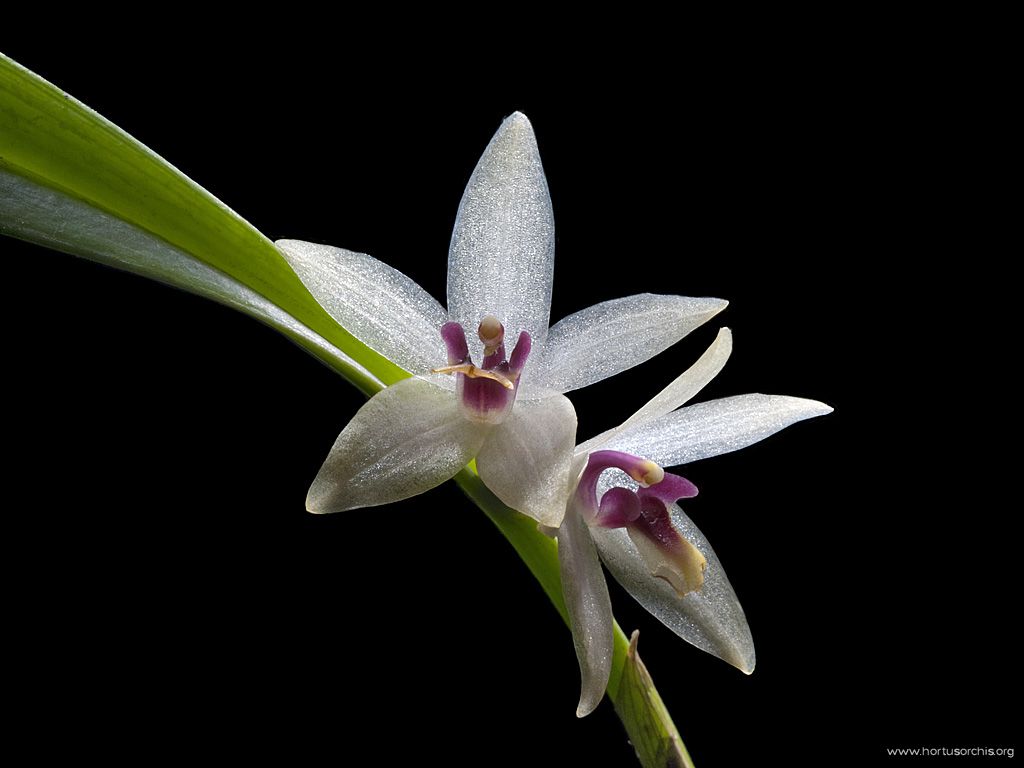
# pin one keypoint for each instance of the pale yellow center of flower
(681, 565)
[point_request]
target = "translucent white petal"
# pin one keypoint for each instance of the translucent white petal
(589, 607)
(711, 619)
(689, 382)
(713, 428)
(380, 306)
(502, 252)
(615, 335)
(686, 385)
(42, 215)
(404, 441)
(526, 459)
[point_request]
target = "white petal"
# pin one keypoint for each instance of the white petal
(711, 619)
(686, 385)
(713, 428)
(380, 306)
(42, 215)
(502, 254)
(615, 335)
(526, 460)
(406, 440)
(589, 607)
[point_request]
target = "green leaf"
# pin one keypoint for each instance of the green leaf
(29, 211)
(49, 141)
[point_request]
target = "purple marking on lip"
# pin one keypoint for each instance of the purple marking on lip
(655, 523)
(485, 398)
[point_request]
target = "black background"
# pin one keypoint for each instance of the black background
(169, 592)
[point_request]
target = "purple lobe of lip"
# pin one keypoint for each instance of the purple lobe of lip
(521, 352)
(455, 342)
(670, 489)
(619, 507)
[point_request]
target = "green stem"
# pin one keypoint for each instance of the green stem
(630, 687)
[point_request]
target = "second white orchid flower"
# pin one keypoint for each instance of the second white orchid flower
(623, 511)
(503, 408)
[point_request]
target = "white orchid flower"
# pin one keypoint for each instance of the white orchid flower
(623, 512)
(508, 412)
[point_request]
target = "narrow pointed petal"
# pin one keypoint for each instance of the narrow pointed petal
(406, 439)
(501, 260)
(686, 385)
(711, 618)
(713, 428)
(589, 607)
(526, 460)
(47, 217)
(380, 306)
(613, 336)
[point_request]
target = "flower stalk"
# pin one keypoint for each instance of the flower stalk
(647, 721)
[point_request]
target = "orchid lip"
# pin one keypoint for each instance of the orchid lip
(642, 470)
(644, 514)
(486, 392)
